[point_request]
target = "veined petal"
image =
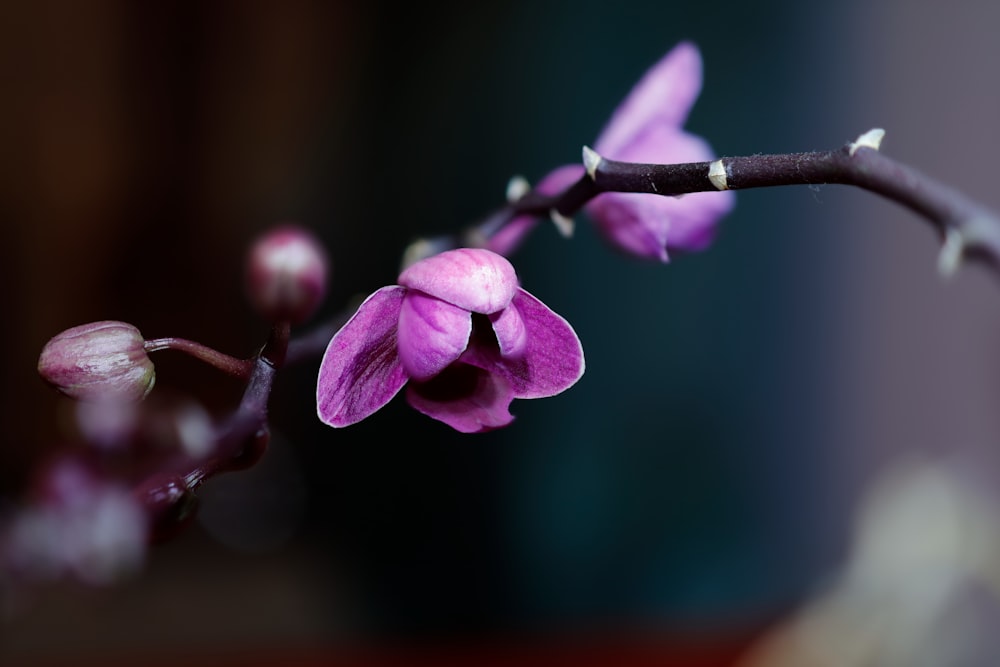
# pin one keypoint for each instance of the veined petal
(663, 96)
(432, 333)
(361, 370)
(467, 398)
(475, 279)
(552, 360)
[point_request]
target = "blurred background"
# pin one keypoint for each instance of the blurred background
(702, 486)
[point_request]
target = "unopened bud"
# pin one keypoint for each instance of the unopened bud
(98, 361)
(286, 274)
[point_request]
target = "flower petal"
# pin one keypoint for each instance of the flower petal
(552, 360)
(432, 333)
(467, 398)
(633, 222)
(475, 279)
(361, 370)
(510, 332)
(663, 96)
(648, 225)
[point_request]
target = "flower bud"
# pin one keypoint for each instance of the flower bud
(98, 361)
(286, 274)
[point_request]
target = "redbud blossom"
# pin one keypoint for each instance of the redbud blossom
(97, 362)
(286, 274)
(646, 128)
(462, 333)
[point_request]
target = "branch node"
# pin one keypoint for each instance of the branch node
(871, 139)
(517, 187)
(564, 225)
(591, 161)
(717, 175)
(950, 257)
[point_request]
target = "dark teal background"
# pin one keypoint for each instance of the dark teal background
(688, 477)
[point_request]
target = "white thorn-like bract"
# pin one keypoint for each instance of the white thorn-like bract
(591, 161)
(950, 257)
(717, 175)
(517, 187)
(871, 139)
(563, 224)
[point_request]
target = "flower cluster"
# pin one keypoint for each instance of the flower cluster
(458, 332)
(462, 333)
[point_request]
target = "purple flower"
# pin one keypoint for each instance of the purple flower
(462, 333)
(646, 128)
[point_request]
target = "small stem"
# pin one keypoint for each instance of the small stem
(238, 368)
(247, 426)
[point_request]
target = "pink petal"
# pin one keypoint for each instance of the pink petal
(648, 225)
(634, 222)
(361, 370)
(663, 96)
(510, 332)
(465, 397)
(431, 334)
(474, 279)
(552, 360)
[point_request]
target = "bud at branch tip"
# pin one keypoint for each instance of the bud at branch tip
(286, 274)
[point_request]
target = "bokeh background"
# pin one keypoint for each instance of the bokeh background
(699, 485)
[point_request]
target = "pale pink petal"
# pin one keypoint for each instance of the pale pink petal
(431, 334)
(633, 222)
(648, 225)
(475, 279)
(361, 370)
(664, 96)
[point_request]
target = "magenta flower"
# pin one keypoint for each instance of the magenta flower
(462, 333)
(647, 128)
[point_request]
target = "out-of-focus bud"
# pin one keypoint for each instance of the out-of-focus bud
(97, 362)
(286, 274)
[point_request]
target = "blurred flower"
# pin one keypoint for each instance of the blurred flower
(286, 274)
(80, 526)
(98, 361)
(464, 335)
(164, 425)
(646, 128)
